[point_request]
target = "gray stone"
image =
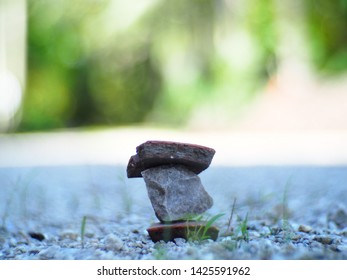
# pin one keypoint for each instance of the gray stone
(156, 153)
(339, 217)
(175, 192)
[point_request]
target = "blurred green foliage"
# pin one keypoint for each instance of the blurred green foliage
(74, 80)
(114, 62)
(327, 23)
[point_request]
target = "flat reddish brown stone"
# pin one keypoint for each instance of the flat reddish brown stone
(155, 153)
(186, 230)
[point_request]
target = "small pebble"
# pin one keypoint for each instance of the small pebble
(113, 242)
(296, 237)
(342, 247)
(326, 240)
(37, 235)
(255, 234)
(34, 252)
(344, 232)
(180, 241)
(68, 234)
(338, 217)
(303, 228)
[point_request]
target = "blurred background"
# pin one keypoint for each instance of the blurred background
(242, 64)
(264, 83)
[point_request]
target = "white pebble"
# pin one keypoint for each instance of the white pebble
(113, 242)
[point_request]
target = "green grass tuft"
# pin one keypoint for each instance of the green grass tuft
(83, 230)
(199, 234)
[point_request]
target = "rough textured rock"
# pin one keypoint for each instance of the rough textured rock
(175, 192)
(155, 153)
(187, 230)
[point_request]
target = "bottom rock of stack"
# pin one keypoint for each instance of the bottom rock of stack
(187, 230)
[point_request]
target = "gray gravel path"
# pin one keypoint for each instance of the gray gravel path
(293, 212)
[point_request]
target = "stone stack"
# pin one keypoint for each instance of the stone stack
(170, 171)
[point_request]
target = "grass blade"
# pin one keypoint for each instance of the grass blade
(210, 222)
(83, 229)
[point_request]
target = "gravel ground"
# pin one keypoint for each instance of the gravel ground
(291, 187)
(293, 212)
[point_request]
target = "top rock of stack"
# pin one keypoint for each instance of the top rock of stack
(155, 153)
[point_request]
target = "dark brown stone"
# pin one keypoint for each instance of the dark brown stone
(155, 153)
(36, 235)
(187, 230)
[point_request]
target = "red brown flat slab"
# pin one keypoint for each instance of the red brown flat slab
(155, 153)
(187, 230)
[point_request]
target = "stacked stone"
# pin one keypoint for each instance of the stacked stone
(170, 171)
